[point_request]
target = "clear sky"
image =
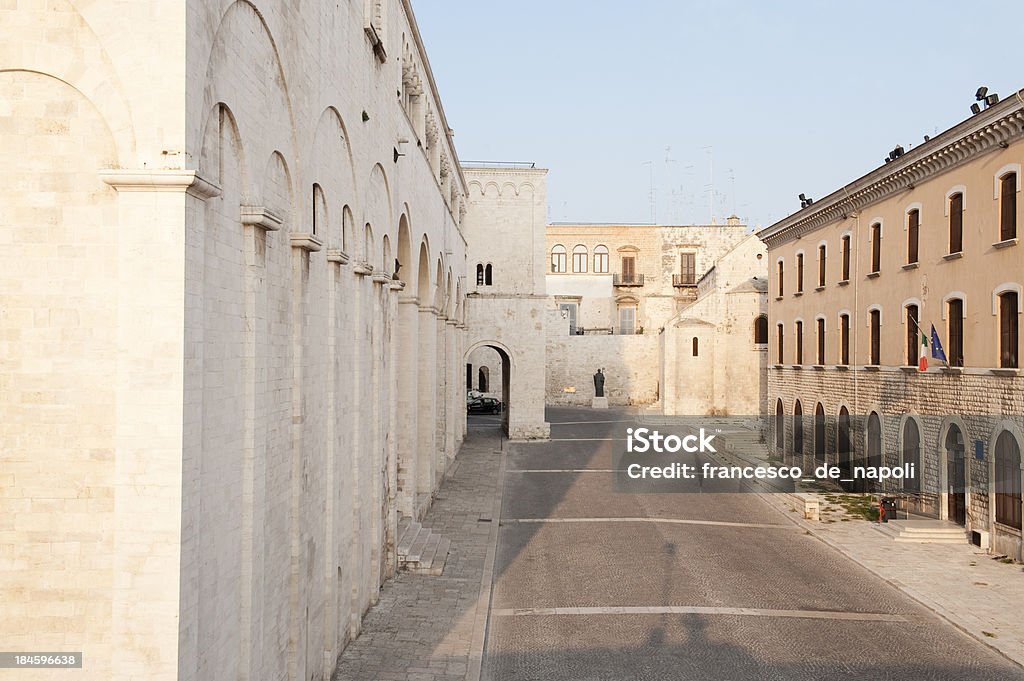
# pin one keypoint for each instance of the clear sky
(782, 97)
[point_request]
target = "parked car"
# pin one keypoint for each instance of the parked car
(484, 405)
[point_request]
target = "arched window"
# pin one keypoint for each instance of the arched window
(1008, 207)
(780, 425)
(798, 429)
(479, 274)
(761, 329)
(601, 260)
(956, 222)
(1009, 339)
(1007, 480)
(821, 264)
(913, 230)
(955, 331)
(800, 272)
(912, 454)
(913, 337)
(558, 259)
(779, 342)
(876, 247)
(487, 275)
(484, 380)
(579, 259)
(819, 433)
(695, 346)
(844, 339)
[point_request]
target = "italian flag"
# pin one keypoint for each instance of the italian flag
(922, 363)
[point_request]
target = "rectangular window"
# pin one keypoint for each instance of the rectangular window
(627, 320)
(782, 279)
(955, 312)
(876, 337)
(558, 262)
(821, 265)
(688, 268)
(844, 340)
(799, 272)
(913, 340)
(781, 355)
(628, 269)
(876, 247)
(579, 261)
(956, 223)
(913, 230)
(1008, 339)
(569, 313)
(821, 341)
(1008, 207)
(846, 258)
(799, 343)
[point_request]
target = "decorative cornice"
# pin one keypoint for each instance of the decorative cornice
(146, 180)
(992, 129)
(380, 277)
(306, 242)
(258, 216)
(336, 255)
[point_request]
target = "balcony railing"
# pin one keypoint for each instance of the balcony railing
(628, 279)
(680, 280)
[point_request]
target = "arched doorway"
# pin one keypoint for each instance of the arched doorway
(819, 433)
(780, 426)
(798, 430)
(956, 476)
(874, 449)
(494, 370)
(845, 448)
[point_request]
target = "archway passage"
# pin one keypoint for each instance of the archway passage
(845, 447)
(491, 366)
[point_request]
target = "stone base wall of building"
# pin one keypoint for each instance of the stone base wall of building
(936, 400)
(631, 366)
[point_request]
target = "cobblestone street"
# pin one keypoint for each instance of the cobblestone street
(591, 584)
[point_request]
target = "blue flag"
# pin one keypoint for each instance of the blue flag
(937, 351)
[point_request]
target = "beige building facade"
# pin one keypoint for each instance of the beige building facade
(629, 279)
(218, 388)
(714, 354)
(930, 238)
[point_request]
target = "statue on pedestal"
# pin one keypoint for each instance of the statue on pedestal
(599, 383)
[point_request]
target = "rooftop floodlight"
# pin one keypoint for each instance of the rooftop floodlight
(975, 108)
(992, 99)
(926, 138)
(802, 197)
(980, 94)
(898, 151)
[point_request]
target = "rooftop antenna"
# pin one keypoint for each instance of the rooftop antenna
(732, 189)
(652, 195)
(711, 187)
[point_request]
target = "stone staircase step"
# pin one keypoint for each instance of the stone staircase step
(416, 550)
(406, 538)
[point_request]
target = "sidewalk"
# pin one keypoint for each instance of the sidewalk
(425, 628)
(961, 583)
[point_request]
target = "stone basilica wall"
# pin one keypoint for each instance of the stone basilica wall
(216, 399)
